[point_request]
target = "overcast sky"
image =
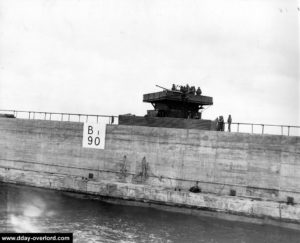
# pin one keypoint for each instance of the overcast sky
(101, 56)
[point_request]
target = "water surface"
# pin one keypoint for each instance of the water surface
(28, 209)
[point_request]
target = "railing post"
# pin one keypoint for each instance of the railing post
(32, 115)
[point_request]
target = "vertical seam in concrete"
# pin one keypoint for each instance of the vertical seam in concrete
(183, 155)
(279, 210)
(215, 160)
(247, 161)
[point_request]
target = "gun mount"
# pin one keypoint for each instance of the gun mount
(178, 102)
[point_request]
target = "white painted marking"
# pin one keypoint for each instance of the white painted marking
(94, 135)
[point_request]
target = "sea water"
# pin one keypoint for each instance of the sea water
(29, 209)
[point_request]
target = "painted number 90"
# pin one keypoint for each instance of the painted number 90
(92, 140)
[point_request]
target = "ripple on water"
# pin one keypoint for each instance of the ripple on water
(95, 221)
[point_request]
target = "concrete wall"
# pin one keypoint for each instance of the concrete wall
(263, 170)
(264, 166)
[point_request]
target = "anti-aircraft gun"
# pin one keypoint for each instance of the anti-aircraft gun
(178, 107)
(178, 102)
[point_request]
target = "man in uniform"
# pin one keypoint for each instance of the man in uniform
(221, 123)
(198, 92)
(229, 121)
(217, 124)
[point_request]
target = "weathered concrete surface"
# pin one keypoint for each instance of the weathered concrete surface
(146, 163)
(266, 211)
(254, 165)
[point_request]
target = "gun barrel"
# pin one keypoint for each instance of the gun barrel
(161, 87)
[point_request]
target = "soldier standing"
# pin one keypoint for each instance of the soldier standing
(217, 124)
(221, 123)
(198, 92)
(193, 90)
(229, 121)
(187, 88)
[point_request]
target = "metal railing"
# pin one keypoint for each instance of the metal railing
(255, 128)
(259, 128)
(61, 116)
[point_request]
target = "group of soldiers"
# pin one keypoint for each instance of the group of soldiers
(220, 123)
(187, 89)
